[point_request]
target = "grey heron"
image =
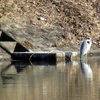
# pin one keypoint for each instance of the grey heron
(85, 47)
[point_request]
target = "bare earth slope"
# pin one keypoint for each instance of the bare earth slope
(51, 24)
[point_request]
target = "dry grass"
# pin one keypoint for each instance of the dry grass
(78, 18)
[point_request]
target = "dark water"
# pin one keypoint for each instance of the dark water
(42, 80)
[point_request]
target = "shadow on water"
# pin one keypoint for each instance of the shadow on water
(20, 65)
(49, 80)
(11, 69)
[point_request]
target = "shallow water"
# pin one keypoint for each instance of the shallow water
(44, 80)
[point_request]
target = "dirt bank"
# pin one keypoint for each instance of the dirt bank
(51, 24)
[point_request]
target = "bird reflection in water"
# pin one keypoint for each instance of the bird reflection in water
(87, 71)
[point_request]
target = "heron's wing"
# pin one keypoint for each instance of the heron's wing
(83, 49)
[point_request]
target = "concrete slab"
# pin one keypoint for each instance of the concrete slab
(8, 46)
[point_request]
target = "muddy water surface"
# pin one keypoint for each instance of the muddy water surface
(68, 80)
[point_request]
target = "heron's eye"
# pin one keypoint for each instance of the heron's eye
(88, 42)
